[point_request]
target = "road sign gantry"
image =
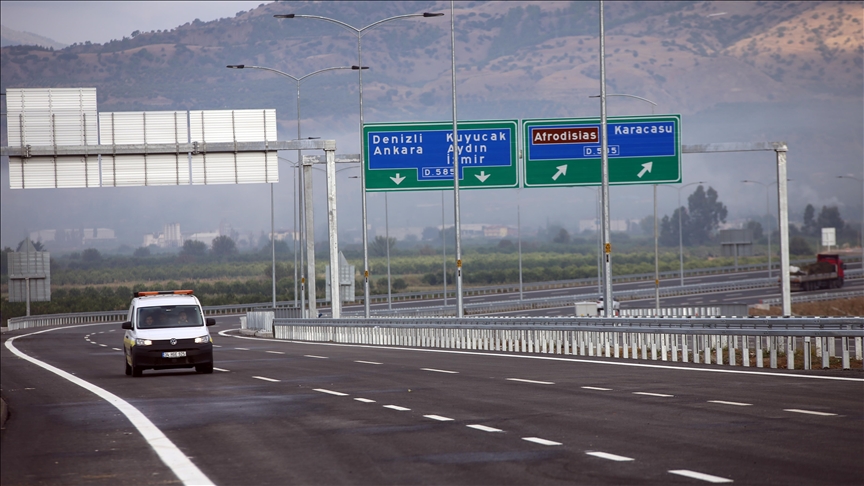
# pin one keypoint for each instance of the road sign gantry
(419, 156)
(562, 152)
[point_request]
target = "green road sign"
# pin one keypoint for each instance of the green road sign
(419, 156)
(563, 152)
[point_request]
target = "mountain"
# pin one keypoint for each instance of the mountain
(736, 71)
(11, 37)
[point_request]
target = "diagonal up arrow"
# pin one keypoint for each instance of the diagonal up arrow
(398, 180)
(562, 170)
(646, 167)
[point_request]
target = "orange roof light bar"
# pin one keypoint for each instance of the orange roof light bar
(145, 293)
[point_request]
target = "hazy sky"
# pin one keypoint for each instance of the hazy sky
(100, 22)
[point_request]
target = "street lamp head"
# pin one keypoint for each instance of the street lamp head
(236, 66)
(284, 16)
(357, 68)
(431, 14)
(312, 138)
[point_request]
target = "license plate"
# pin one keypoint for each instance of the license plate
(174, 354)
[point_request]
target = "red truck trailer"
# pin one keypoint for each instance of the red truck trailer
(825, 273)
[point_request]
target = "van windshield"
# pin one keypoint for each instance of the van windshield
(169, 316)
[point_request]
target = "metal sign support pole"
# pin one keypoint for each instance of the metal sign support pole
(335, 283)
(310, 237)
(458, 227)
(784, 229)
(607, 245)
(656, 258)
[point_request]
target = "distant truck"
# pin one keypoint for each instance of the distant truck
(825, 273)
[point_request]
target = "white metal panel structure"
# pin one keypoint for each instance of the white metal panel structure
(33, 268)
(142, 128)
(52, 117)
(233, 126)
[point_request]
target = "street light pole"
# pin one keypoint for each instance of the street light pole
(358, 32)
(310, 257)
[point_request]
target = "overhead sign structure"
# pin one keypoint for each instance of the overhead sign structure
(419, 156)
(563, 152)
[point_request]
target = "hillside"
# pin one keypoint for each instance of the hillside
(12, 37)
(684, 56)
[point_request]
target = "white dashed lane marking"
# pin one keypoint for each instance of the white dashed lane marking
(647, 394)
(368, 362)
(364, 400)
(117, 349)
(611, 457)
(538, 440)
(221, 369)
(397, 408)
(275, 352)
(439, 371)
(266, 379)
(483, 428)
(809, 412)
(702, 476)
(313, 356)
(242, 349)
(737, 404)
(596, 388)
(331, 392)
(438, 418)
(531, 381)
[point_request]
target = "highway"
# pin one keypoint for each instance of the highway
(748, 296)
(278, 412)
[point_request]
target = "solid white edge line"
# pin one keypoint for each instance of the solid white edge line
(440, 371)
(571, 359)
(330, 392)
(264, 378)
(531, 381)
(538, 440)
(809, 412)
(483, 428)
(649, 394)
(698, 475)
(170, 454)
(737, 404)
(364, 400)
(596, 388)
(611, 457)
(438, 418)
(397, 408)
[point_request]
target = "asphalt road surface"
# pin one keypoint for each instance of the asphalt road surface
(277, 412)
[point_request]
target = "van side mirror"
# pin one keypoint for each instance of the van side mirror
(210, 321)
(126, 325)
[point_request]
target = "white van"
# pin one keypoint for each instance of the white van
(167, 329)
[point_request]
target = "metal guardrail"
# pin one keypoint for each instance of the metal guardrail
(850, 294)
(709, 340)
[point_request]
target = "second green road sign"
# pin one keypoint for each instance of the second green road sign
(419, 156)
(566, 151)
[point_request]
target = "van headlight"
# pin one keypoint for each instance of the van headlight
(202, 339)
(143, 342)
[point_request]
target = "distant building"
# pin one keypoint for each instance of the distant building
(73, 238)
(499, 231)
(616, 225)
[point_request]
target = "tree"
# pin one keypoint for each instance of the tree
(142, 251)
(506, 245)
(706, 214)
(809, 227)
(756, 227)
(562, 237)
(379, 246)
(829, 217)
(91, 255)
(431, 233)
(193, 248)
(669, 228)
(223, 246)
(647, 225)
(799, 246)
